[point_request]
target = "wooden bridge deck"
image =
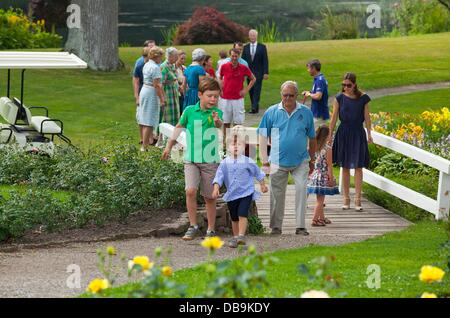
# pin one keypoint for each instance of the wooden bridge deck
(374, 220)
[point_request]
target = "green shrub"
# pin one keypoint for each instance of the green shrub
(103, 184)
(420, 17)
(17, 31)
(334, 26)
(255, 225)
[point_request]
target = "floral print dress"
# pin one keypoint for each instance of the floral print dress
(318, 182)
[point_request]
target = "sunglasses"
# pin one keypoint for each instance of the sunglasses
(288, 95)
(347, 85)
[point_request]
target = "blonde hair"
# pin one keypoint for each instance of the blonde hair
(237, 133)
(155, 52)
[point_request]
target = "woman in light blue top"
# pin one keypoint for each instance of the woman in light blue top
(238, 172)
(151, 98)
(194, 75)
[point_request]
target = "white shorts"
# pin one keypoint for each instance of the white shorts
(233, 111)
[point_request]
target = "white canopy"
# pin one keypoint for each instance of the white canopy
(40, 60)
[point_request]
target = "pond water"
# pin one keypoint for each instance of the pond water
(144, 19)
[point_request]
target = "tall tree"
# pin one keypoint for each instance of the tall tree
(97, 39)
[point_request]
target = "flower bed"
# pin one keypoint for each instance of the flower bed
(102, 185)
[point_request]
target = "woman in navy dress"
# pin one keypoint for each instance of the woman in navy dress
(350, 148)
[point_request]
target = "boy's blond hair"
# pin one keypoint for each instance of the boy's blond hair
(237, 133)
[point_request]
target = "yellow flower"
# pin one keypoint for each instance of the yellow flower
(428, 295)
(98, 285)
(212, 243)
(435, 128)
(143, 261)
(13, 19)
(430, 274)
(111, 250)
(167, 271)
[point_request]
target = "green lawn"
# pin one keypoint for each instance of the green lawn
(400, 256)
(99, 107)
(6, 189)
(412, 103)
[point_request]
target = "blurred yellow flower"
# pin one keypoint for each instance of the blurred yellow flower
(428, 295)
(98, 285)
(167, 271)
(430, 274)
(13, 19)
(212, 243)
(143, 261)
(111, 250)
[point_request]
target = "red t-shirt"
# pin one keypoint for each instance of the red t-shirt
(233, 80)
(211, 73)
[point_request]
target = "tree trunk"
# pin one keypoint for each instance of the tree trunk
(97, 40)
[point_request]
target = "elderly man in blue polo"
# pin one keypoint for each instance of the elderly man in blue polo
(289, 126)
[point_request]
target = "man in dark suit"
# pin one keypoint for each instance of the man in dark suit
(256, 56)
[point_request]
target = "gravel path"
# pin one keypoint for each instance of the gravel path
(43, 273)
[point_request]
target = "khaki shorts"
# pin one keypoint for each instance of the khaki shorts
(202, 174)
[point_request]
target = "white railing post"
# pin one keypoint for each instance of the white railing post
(443, 198)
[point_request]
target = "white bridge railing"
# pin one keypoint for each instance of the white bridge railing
(439, 207)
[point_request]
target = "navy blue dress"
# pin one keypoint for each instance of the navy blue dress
(350, 148)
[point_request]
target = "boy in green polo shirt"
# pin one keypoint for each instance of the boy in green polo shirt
(202, 154)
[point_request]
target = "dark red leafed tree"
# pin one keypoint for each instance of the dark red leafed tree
(52, 11)
(209, 26)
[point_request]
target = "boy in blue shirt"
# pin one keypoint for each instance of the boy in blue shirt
(238, 172)
(318, 94)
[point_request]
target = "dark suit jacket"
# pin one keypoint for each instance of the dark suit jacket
(260, 64)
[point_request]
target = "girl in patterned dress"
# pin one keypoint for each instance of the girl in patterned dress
(322, 182)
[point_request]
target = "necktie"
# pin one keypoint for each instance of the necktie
(253, 51)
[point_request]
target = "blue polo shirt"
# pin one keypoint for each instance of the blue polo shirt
(320, 107)
(289, 134)
(138, 68)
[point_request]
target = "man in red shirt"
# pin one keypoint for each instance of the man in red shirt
(232, 77)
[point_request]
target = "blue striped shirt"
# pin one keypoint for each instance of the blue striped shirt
(238, 176)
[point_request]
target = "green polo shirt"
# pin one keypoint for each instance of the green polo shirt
(202, 136)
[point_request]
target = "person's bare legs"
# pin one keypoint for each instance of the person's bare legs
(141, 133)
(211, 213)
(225, 127)
(346, 188)
(243, 223)
(191, 204)
(235, 226)
(148, 137)
(358, 187)
(318, 210)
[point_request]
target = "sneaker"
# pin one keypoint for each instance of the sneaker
(303, 232)
(211, 233)
(233, 243)
(191, 233)
(241, 240)
(276, 231)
